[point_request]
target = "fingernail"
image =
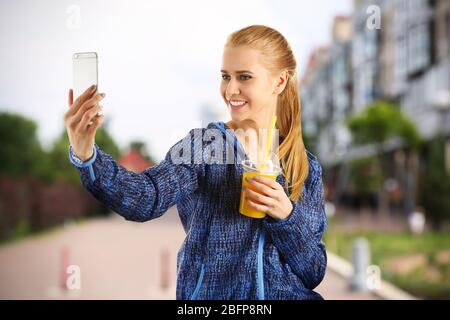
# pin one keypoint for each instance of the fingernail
(93, 87)
(248, 179)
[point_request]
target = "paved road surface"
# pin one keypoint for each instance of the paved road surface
(118, 259)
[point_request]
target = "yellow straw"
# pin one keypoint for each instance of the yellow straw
(263, 164)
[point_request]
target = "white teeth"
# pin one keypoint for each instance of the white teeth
(233, 103)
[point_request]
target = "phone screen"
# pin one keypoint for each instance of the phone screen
(85, 72)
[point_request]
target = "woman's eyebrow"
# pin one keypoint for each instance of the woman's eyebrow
(240, 71)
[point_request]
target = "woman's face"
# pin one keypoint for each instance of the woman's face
(247, 86)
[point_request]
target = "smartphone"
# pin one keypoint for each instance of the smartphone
(85, 72)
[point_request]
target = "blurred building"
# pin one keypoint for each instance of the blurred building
(326, 92)
(364, 55)
(419, 76)
(406, 61)
(315, 96)
(134, 161)
(442, 30)
(341, 87)
(341, 68)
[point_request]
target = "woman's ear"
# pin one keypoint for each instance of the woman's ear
(281, 82)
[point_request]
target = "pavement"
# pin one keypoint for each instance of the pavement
(117, 259)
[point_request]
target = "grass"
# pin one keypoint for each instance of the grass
(386, 247)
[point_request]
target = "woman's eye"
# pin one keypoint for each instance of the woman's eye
(241, 77)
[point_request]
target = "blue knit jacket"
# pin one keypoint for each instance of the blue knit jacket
(225, 254)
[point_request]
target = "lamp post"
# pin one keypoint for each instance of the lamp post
(442, 105)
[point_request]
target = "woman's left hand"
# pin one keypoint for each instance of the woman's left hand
(269, 197)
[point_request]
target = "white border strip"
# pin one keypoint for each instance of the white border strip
(386, 291)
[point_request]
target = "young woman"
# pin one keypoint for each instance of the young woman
(226, 255)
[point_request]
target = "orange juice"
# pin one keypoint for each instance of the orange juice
(249, 172)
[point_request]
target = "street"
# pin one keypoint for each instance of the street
(118, 259)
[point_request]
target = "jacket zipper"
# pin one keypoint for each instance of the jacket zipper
(199, 283)
(260, 265)
(260, 268)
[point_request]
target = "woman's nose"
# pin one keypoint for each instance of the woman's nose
(232, 88)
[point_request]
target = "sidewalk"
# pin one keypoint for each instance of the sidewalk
(335, 287)
(104, 249)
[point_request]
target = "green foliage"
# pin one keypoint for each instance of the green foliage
(21, 230)
(57, 166)
(58, 162)
(387, 246)
(22, 155)
(308, 141)
(366, 176)
(435, 185)
(104, 140)
(381, 121)
(376, 124)
(20, 149)
(142, 148)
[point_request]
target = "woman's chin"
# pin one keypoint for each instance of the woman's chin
(236, 116)
(238, 112)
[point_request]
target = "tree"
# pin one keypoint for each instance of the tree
(105, 141)
(435, 184)
(378, 123)
(20, 151)
(142, 149)
(308, 141)
(381, 121)
(365, 176)
(57, 166)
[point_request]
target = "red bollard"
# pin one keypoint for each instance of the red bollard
(64, 264)
(165, 277)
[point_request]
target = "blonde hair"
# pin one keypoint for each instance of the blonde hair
(277, 55)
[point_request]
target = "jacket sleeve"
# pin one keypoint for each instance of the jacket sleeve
(147, 195)
(299, 237)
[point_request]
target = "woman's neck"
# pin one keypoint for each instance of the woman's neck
(252, 134)
(254, 125)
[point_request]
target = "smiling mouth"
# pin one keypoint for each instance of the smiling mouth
(237, 104)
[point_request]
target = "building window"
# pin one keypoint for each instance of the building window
(370, 44)
(401, 59)
(418, 48)
(447, 24)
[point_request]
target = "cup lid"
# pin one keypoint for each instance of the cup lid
(270, 167)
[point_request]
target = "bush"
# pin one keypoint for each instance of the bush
(435, 184)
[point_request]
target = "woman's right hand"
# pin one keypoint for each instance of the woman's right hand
(82, 121)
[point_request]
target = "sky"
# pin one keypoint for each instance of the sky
(159, 61)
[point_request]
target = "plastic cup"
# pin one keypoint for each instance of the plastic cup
(250, 171)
